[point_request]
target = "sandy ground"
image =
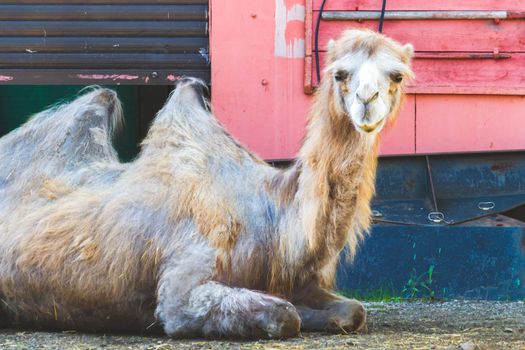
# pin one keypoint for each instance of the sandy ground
(416, 325)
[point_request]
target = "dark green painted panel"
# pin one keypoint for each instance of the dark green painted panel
(18, 103)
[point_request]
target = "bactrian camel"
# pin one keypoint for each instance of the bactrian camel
(197, 235)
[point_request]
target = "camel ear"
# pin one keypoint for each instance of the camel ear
(408, 52)
(331, 44)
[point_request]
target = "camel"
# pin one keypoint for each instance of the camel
(197, 236)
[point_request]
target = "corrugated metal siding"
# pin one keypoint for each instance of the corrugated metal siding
(103, 41)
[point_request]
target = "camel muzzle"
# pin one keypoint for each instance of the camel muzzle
(368, 128)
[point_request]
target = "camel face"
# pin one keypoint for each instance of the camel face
(368, 71)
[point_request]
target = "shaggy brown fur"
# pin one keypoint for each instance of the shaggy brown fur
(185, 235)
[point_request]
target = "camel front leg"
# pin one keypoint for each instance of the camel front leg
(216, 310)
(321, 310)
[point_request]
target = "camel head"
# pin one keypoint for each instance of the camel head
(366, 72)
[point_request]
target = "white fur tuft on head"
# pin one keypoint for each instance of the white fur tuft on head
(409, 49)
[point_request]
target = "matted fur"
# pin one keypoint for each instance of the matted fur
(184, 235)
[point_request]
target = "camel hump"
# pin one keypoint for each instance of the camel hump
(186, 122)
(187, 103)
(198, 86)
(106, 99)
(186, 117)
(64, 137)
(89, 123)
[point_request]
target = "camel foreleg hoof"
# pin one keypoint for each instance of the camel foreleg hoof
(279, 321)
(347, 317)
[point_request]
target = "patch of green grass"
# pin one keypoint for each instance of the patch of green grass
(419, 287)
(382, 294)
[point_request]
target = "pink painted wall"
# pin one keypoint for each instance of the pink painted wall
(400, 138)
(257, 83)
(467, 123)
(257, 50)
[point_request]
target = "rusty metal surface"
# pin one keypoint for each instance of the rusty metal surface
(308, 48)
(497, 220)
(99, 76)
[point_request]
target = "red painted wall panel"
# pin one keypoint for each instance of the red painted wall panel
(400, 138)
(441, 35)
(470, 76)
(469, 123)
(256, 93)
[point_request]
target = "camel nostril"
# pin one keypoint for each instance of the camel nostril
(365, 102)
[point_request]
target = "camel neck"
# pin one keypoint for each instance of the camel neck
(335, 185)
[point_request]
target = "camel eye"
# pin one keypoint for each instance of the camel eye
(341, 75)
(396, 77)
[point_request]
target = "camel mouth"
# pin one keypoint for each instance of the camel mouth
(368, 128)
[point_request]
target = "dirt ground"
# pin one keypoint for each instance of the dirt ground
(415, 325)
